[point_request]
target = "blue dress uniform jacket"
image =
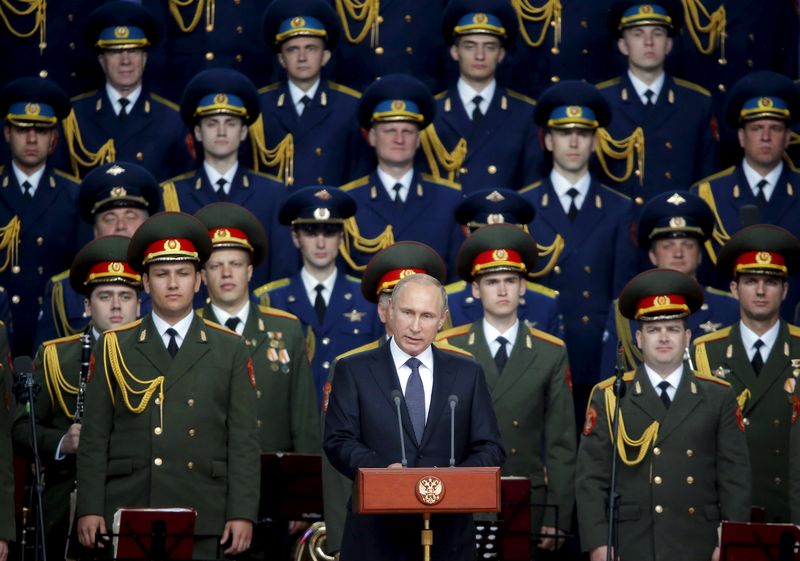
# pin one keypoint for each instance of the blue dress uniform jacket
(259, 193)
(152, 134)
(679, 146)
(49, 237)
(350, 321)
(586, 51)
(767, 406)
(409, 41)
(201, 452)
(503, 150)
(62, 312)
(66, 58)
(234, 41)
(720, 309)
(539, 307)
(426, 216)
(361, 431)
(694, 474)
(726, 193)
(327, 140)
(598, 259)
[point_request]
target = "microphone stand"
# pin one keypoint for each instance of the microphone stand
(28, 396)
(612, 539)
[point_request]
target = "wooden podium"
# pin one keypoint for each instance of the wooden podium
(427, 491)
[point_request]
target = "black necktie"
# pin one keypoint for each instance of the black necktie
(573, 208)
(649, 95)
(415, 398)
(477, 115)
(501, 356)
(398, 202)
(760, 196)
(27, 189)
(232, 322)
(123, 112)
(221, 188)
(172, 346)
(758, 360)
(664, 395)
(319, 303)
(304, 101)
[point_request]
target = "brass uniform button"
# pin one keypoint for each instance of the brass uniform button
(690, 452)
(584, 24)
(318, 151)
(513, 451)
(192, 432)
(752, 37)
(776, 423)
(239, 29)
(639, 200)
(586, 294)
(238, 58)
(326, 341)
(408, 18)
(777, 452)
(70, 17)
(209, 55)
(258, 394)
(157, 431)
(690, 480)
(746, 422)
(380, 19)
(378, 50)
(585, 320)
(637, 173)
(657, 480)
(158, 461)
(555, 79)
(659, 509)
(584, 52)
(657, 451)
(158, 401)
(40, 299)
(492, 169)
(515, 424)
(71, 46)
(190, 465)
(15, 299)
(721, 88)
(40, 240)
(778, 481)
(15, 269)
(587, 269)
(43, 74)
(326, 365)
(320, 180)
(462, 170)
(190, 403)
(140, 156)
(258, 423)
(557, 270)
(668, 174)
(355, 331)
(410, 50)
(691, 510)
(750, 63)
(668, 145)
(40, 270)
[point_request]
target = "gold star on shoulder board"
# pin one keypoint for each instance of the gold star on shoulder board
(710, 326)
(355, 315)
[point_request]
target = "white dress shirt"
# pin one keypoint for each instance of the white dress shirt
(389, 182)
(561, 186)
(467, 93)
(753, 177)
(641, 87)
(674, 380)
(114, 96)
(491, 334)
(310, 284)
(223, 316)
(399, 356)
(33, 179)
(182, 327)
(297, 94)
(749, 338)
(214, 176)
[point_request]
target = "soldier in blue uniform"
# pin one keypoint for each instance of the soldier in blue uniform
(319, 114)
(561, 41)
(761, 188)
(497, 124)
(145, 128)
(219, 105)
(38, 204)
(46, 40)
(674, 115)
(395, 36)
(335, 316)
(672, 229)
(220, 34)
(597, 255)
(114, 199)
(539, 306)
(397, 202)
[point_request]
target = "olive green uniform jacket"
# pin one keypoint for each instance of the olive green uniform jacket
(535, 413)
(7, 526)
(287, 416)
(202, 453)
(692, 475)
(57, 371)
(766, 402)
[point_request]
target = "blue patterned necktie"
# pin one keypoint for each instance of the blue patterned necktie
(415, 398)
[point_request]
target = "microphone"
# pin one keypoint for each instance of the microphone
(619, 384)
(23, 380)
(397, 397)
(453, 401)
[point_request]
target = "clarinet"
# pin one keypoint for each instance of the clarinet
(86, 352)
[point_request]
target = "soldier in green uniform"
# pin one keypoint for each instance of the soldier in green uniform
(110, 288)
(683, 465)
(288, 420)
(383, 272)
(760, 355)
(171, 405)
(526, 371)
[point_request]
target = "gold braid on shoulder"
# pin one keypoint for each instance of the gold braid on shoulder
(353, 240)
(715, 27)
(56, 382)
(281, 157)
(79, 155)
(9, 242)
(621, 440)
(36, 7)
(365, 11)
(629, 149)
(114, 364)
(720, 234)
(211, 9)
(548, 15)
(436, 154)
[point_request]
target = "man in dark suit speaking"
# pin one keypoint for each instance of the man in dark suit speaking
(361, 427)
